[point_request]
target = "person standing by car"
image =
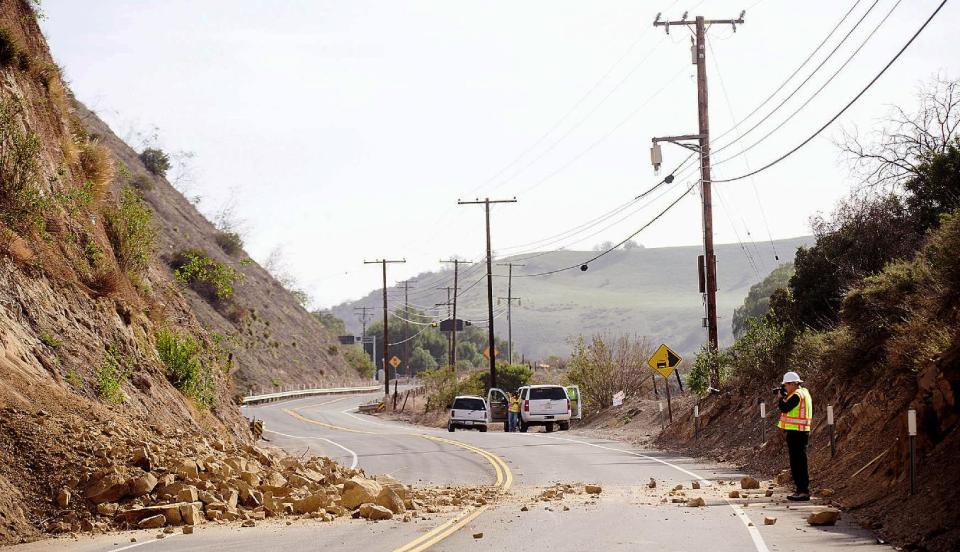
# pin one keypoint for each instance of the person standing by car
(796, 418)
(513, 413)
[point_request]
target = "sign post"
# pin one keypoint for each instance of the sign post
(912, 432)
(763, 422)
(664, 360)
(833, 438)
(696, 421)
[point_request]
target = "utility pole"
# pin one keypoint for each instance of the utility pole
(406, 327)
(386, 328)
(490, 336)
(448, 304)
(703, 147)
(510, 299)
(363, 333)
(456, 291)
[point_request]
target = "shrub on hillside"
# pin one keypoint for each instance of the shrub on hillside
(230, 242)
(759, 355)
(605, 366)
(21, 205)
(181, 353)
(359, 360)
(97, 166)
(131, 231)
(698, 378)
(156, 161)
(208, 277)
(509, 378)
(440, 387)
(143, 182)
(110, 376)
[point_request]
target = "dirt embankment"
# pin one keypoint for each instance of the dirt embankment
(870, 472)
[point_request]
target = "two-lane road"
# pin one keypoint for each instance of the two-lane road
(626, 516)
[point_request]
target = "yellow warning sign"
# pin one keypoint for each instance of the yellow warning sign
(664, 360)
(394, 361)
(486, 352)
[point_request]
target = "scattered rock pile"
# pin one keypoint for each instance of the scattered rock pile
(152, 483)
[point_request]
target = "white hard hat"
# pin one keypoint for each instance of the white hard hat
(792, 377)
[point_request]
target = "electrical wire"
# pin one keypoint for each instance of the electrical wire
(847, 106)
(815, 94)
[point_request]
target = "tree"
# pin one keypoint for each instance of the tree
(156, 161)
(757, 302)
(632, 245)
(331, 322)
(421, 359)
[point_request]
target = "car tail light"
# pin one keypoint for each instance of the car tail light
(568, 405)
(526, 406)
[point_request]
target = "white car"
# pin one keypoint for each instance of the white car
(550, 406)
(468, 412)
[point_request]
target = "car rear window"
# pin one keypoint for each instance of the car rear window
(541, 393)
(468, 404)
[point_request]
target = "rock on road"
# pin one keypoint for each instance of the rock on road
(626, 515)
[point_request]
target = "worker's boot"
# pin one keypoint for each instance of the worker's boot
(799, 497)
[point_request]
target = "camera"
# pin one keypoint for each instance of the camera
(782, 391)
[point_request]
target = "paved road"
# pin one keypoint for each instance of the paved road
(627, 516)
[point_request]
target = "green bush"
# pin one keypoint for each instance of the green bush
(143, 182)
(50, 341)
(156, 161)
(440, 385)
(21, 205)
(230, 242)
(110, 376)
(698, 378)
(74, 379)
(209, 277)
(181, 353)
(759, 354)
(132, 232)
(509, 378)
(359, 360)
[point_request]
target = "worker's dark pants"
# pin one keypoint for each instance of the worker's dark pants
(797, 447)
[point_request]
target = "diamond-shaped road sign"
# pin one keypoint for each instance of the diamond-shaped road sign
(664, 360)
(394, 361)
(486, 352)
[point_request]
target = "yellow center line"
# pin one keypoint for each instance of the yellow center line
(423, 542)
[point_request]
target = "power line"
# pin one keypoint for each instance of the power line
(847, 106)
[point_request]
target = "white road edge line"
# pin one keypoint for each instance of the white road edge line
(353, 455)
(755, 535)
(129, 546)
(374, 422)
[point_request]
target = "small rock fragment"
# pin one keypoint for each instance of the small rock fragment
(63, 497)
(652, 484)
(749, 483)
(824, 516)
(248, 523)
(696, 502)
(188, 529)
(153, 522)
(734, 494)
(769, 520)
(478, 535)
(695, 485)
(593, 489)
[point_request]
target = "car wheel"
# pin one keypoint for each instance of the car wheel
(450, 428)
(483, 429)
(564, 426)
(548, 428)
(506, 427)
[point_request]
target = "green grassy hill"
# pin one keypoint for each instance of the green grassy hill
(651, 292)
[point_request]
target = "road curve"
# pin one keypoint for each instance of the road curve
(627, 516)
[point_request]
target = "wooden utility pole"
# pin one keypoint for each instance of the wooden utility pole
(363, 318)
(703, 147)
(386, 323)
(448, 304)
(510, 299)
(456, 291)
(406, 327)
(490, 335)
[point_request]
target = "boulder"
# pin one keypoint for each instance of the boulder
(188, 529)
(749, 483)
(188, 469)
(824, 516)
(374, 512)
(190, 514)
(734, 494)
(391, 501)
(110, 486)
(769, 520)
(107, 508)
(696, 502)
(152, 522)
(63, 497)
(143, 485)
(312, 503)
(386, 481)
(593, 489)
(357, 491)
(188, 494)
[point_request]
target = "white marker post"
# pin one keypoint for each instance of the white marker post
(912, 432)
(696, 421)
(660, 405)
(763, 421)
(833, 438)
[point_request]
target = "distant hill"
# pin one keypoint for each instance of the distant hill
(644, 291)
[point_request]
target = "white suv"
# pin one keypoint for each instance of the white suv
(550, 406)
(468, 412)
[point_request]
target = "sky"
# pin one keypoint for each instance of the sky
(347, 131)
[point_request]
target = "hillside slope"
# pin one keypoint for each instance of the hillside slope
(650, 292)
(274, 340)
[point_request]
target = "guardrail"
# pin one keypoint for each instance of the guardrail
(271, 397)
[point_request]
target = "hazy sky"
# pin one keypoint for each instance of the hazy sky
(347, 130)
